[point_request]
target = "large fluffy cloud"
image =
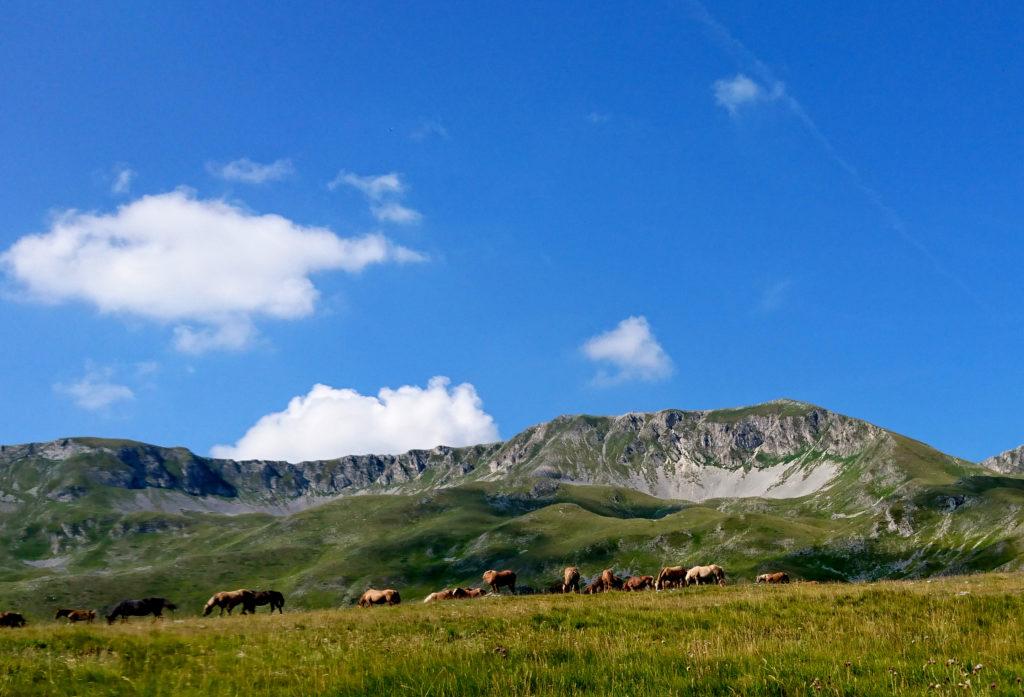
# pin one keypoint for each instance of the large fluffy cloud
(630, 351)
(330, 422)
(186, 261)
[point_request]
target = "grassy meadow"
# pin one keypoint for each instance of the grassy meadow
(944, 636)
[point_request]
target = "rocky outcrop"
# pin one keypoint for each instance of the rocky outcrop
(1010, 462)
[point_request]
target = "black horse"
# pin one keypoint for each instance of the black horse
(140, 608)
(272, 598)
(11, 619)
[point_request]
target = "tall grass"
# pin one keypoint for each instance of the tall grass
(894, 638)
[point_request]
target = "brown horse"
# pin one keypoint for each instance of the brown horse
(228, 600)
(140, 608)
(595, 586)
(777, 577)
(498, 579)
(704, 575)
(443, 594)
(372, 596)
(671, 577)
(638, 583)
(610, 581)
(76, 615)
(571, 580)
(474, 592)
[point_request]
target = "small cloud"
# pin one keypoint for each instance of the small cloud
(122, 182)
(631, 351)
(331, 422)
(734, 93)
(429, 129)
(774, 296)
(383, 192)
(248, 172)
(95, 391)
(395, 213)
(231, 335)
(597, 117)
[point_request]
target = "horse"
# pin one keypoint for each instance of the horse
(372, 596)
(228, 600)
(610, 581)
(638, 583)
(274, 599)
(12, 619)
(776, 577)
(671, 577)
(76, 615)
(140, 608)
(703, 575)
(497, 579)
(571, 580)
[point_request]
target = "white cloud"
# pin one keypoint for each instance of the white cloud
(95, 391)
(122, 183)
(631, 351)
(249, 172)
(598, 117)
(395, 213)
(383, 192)
(180, 260)
(328, 422)
(739, 91)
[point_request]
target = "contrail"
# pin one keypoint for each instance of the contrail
(744, 56)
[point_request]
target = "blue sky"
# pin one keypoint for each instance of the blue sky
(569, 210)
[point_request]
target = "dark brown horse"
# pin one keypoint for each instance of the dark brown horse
(140, 608)
(12, 619)
(274, 599)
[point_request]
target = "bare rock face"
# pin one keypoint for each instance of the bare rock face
(1010, 462)
(778, 450)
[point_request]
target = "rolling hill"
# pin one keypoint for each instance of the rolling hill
(782, 485)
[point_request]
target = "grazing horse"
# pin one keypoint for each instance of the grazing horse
(76, 615)
(497, 579)
(704, 575)
(274, 599)
(140, 608)
(228, 600)
(595, 586)
(571, 580)
(610, 581)
(12, 619)
(777, 577)
(671, 577)
(638, 583)
(372, 596)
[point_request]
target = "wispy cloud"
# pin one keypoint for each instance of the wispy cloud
(765, 76)
(122, 181)
(597, 117)
(248, 172)
(95, 390)
(774, 296)
(629, 352)
(429, 129)
(383, 192)
(734, 93)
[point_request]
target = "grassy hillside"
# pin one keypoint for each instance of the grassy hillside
(947, 636)
(87, 522)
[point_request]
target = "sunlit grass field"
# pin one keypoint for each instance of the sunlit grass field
(953, 635)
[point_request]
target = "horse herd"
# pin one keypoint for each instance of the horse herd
(572, 582)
